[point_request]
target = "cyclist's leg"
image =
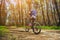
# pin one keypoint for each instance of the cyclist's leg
(32, 21)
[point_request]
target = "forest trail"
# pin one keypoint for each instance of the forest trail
(20, 34)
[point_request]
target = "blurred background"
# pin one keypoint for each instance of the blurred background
(16, 12)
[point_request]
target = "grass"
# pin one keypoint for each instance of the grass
(3, 30)
(51, 27)
(46, 27)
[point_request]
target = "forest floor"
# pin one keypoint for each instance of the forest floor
(20, 34)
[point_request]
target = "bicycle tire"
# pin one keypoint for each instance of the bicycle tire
(33, 28)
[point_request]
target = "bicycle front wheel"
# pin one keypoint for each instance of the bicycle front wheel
(36, 28)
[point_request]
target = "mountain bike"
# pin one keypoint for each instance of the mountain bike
(35, 26)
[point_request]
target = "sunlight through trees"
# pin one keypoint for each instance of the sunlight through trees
(16, 12)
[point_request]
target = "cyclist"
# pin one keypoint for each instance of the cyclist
(33, 13)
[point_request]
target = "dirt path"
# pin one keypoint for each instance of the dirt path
(20, 34)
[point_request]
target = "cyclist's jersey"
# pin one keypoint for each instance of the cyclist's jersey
(33, 12)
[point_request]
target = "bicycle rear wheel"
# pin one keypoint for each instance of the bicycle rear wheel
(36, 28)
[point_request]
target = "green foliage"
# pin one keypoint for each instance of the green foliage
(3, 30)
(46, 27)
(51, 27)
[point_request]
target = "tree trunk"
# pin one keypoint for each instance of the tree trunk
(57, 11)
(47, 13)
(0, 13)
(43, 16)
